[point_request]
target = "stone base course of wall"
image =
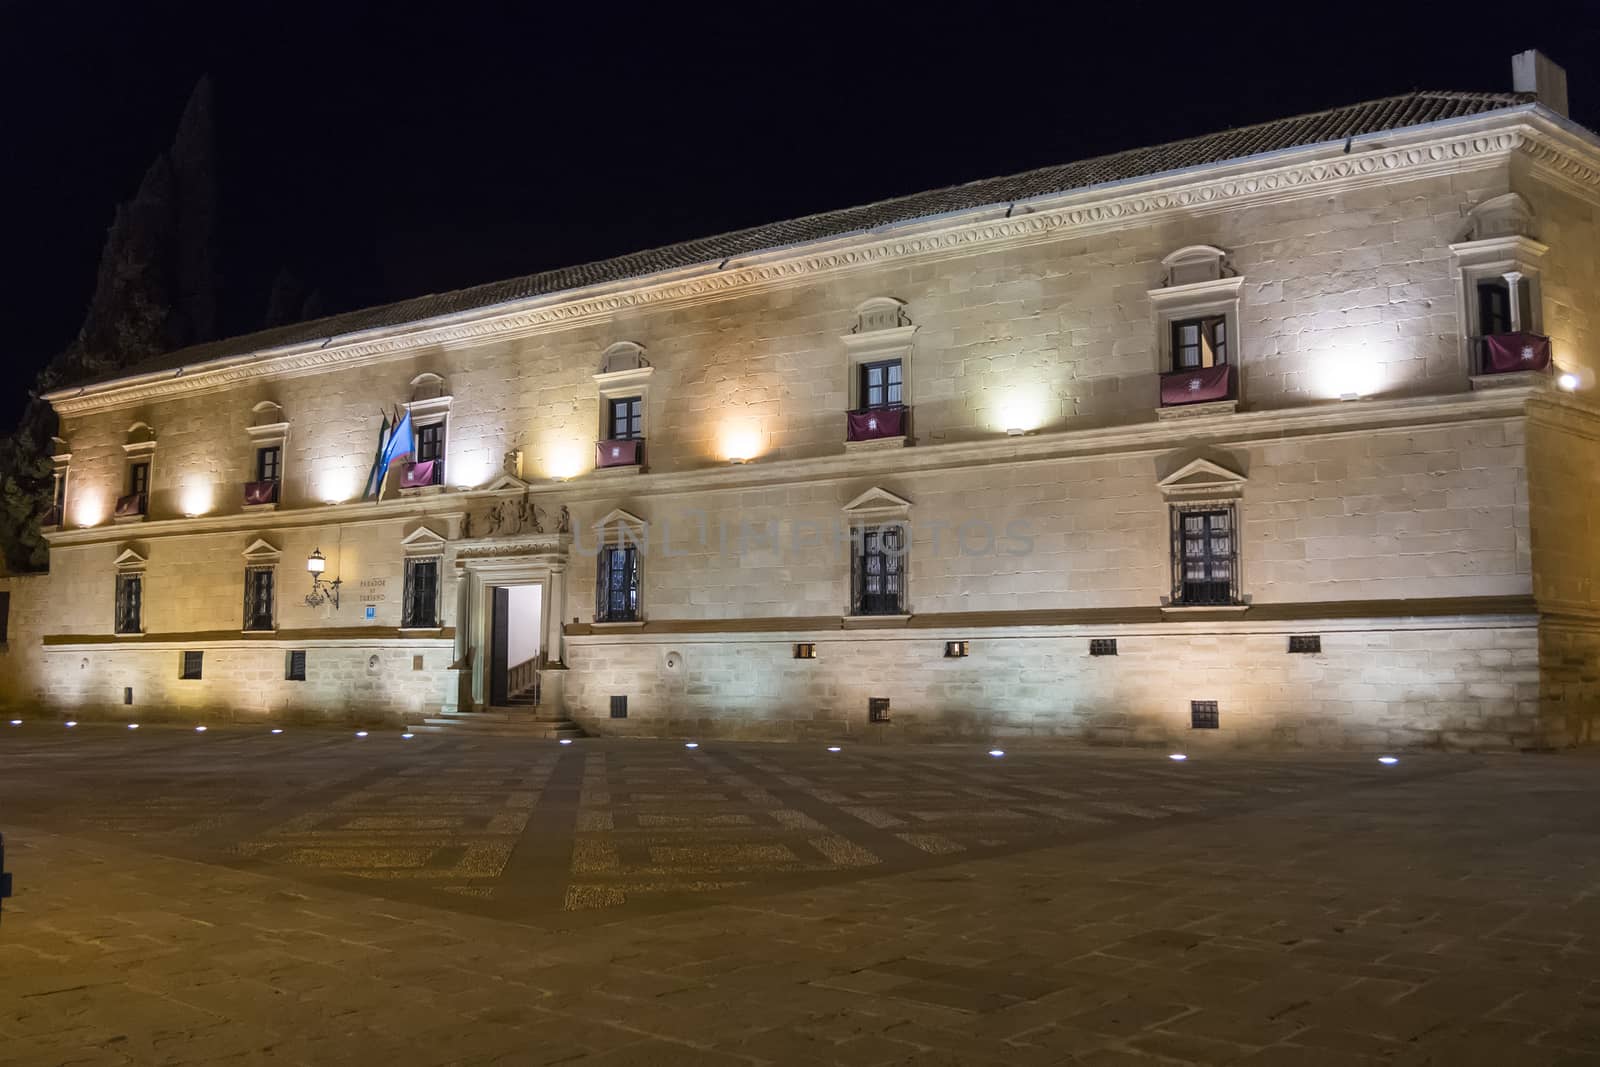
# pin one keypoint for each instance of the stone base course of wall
(1470, 687)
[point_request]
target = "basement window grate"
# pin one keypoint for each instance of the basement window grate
(1305, 644)
(956, 649)
(619, 707)
(1102, 646)
(295, 671)
(877, 709)
(192, 662)
(127, 694)
(805, 650)
(1203, 715)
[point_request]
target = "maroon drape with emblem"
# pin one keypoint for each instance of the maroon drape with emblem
(1503, 352)
(1197, 385)
(876, 422)
(418, 474)
(261, 492)
(618, 453)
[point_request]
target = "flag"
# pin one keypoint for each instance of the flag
(401, 443)
(374, 478)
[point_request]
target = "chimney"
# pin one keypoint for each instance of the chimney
(1534, 72)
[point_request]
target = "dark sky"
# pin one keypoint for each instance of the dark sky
(381, 154)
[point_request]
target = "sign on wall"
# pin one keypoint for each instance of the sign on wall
(374, 591)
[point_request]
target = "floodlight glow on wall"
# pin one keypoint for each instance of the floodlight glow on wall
(197, 500)
(321, 591)
(740, 444)
(567, 461)
(1567, 381)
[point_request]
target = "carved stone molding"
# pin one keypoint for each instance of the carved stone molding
(1072, 211)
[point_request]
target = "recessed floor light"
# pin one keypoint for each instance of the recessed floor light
(692, 744)
(1388, 759)
(997, 752)
(407, 737)
(71, 722)
(133, 726)
(16, 722)
(833, 748)
(565, 741)
(199, 729)
(361, 733)
(1179, 756)
(277, 729)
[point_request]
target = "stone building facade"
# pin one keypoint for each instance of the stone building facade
(1279, 436)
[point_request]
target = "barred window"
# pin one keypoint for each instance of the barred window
(1305, 644)
(1204, 715)
(295, 669)
(1204, 559)
(258, 598)
(189, 667)
(1102, 646)
(617, 589)
(879, 571)
(130, 603)
(421, 600)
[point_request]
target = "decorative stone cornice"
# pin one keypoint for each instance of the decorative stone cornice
(1292, 174)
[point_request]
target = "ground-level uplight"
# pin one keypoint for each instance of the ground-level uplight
(833, 748)
(16, 722)
(71, 723)
(199, 729)
(565, 741)
(1388, 760)
(407, 737)
(361, 733)
(277, 729)
(997, 752)
(133, 726)
(692, 744)
(1179, 756)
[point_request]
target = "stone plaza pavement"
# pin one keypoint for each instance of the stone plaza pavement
(318, 898)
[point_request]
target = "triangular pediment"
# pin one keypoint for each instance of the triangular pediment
(422, 537)
(618, 517)
(876, 500)
(130, 558)
(507, 483)
(1202, 474)
(262, 551)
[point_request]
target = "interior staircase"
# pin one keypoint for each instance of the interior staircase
(521, 715)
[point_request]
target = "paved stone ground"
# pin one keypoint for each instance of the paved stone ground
(315, 898)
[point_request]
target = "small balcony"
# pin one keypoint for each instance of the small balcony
(1511, 353)
(131, 508)
(619, 452)
(885, 426)
(261, 494)
(422, 475)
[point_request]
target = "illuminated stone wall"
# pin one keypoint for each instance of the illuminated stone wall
(1462, 685)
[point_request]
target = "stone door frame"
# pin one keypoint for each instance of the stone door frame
(483, 564)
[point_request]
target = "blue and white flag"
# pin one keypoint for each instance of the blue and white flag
(401, 442)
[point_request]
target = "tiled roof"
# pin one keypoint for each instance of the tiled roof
(1337, 124)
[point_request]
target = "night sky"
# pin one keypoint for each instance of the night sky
(381, 155)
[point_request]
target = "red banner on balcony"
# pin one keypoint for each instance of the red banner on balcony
(873, 423)
(618, 453)
(1197, 386)
(419, 474)
(1504, 352)
(132, 504)
(260, 493)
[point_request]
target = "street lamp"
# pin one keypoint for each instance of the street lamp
(316, 563)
